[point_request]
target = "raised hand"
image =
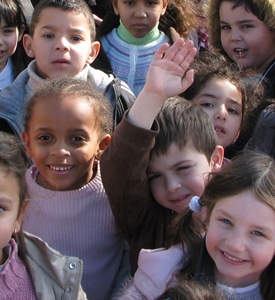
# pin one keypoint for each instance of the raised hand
(168, 74)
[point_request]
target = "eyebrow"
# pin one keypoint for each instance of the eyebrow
(50, 27)
(171, 167)
(255, 226)
(239, 22)
(216, 97)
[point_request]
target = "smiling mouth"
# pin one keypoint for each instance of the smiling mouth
(231, 257)
(61, 169)
(240, 51)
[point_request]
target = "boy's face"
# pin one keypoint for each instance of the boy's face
(222, 101)
(61, 43)
(63, 142)
(139, 16)
(178, 175)
(246, 39)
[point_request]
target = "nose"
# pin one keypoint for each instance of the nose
(221, 113)
(235, 241)
(59, 149)
(140, 10)
(235, 35)
(172, 184)
(62, 44)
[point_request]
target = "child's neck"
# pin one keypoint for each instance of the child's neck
(127, 37)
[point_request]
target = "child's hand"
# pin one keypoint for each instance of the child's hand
(168, 75)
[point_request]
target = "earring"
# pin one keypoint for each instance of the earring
(14, 231)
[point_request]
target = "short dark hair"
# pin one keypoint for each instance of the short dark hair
(181, 121)
(74, 6)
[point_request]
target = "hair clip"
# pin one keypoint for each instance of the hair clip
(194, 204)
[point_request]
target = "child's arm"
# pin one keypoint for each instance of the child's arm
(167, 76)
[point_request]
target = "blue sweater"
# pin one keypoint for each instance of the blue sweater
(131, 62)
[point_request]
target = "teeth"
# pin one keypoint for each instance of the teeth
(218, 129)
(60, 168)
(231, 258)
(239, 50)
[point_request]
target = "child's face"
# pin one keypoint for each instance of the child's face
(9, 207)
(61, 43)
(9, 37)
(139, 16)
(63, 142)
(241, 238)
(246, 39)
(178, 175)
(222, 101)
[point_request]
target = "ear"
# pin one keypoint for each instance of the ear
(21, 32)
(21, 213)
(27, 43)
(103, 145)
(217, 158)
(26, 140)
(115, 8)
(165, 4)
(94, 52)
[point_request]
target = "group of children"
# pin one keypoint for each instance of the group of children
(165, 182)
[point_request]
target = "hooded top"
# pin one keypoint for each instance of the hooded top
(263, 9)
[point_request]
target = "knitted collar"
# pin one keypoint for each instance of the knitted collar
(127, 37)
(36, 81)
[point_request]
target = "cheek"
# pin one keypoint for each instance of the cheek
(156, 191)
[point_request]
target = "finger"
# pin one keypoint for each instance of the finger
(186, 61)
(161, 51)
(188, 79)
(174, 49)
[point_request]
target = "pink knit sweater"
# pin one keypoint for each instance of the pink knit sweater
(15, 282)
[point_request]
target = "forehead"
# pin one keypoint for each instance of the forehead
(175, 155)
(218, 87)
(55, 15)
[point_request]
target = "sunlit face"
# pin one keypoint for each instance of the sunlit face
(61, 43)
(241, 239)
(246, 39)
(139, 16)
(9, 208)
(9, 37)
(178, 175)
(222, 101)
(63, 142)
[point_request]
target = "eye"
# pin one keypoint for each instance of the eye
(233, 111)
(48, 36)
(207, 104)
(247, 26)
(44, 137)
(1, 208)
(258, 233)
(183, 168)
(78, 139)
(226, 221)
(153, 177)
(129, 2)
(76, 38)
(9, 30)
(225, 27)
